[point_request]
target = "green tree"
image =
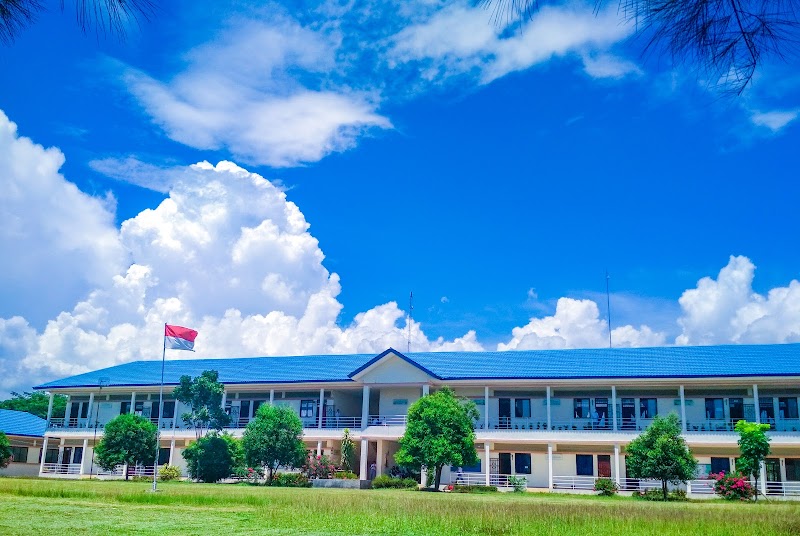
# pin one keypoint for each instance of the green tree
(439, 432)
(213, 457)
(127, 439)
(348, 461)
(203, 396)
(35, 403)
(661, 453)
(274, 438)
(5, 451)
(754, 448)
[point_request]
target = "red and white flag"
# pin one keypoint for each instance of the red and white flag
(178, 338)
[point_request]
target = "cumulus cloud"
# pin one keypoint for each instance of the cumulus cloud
(262, 91)
(775, 120)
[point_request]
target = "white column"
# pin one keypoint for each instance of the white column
(688, 488)
(423, 477)
(174, 417)
(379, 462)
(50, 408)
(61, 451)
(762, 480)
(44, 449)
(67, 410)
(550, 466)
(321, 407)
(682, 394)
(90, 411)
(486, 408)
(756, 403)
(613, 407)
(616, 465)
(365, 407)
(272, 397)
(83, 455)
(171, 450)
(487, 462)
(362, 471)
(426, 389)
(549, 392)
(133, 402)
(224, 399)
(319, 448)
(782, 462)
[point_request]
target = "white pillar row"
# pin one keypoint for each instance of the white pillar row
(426, 389)
(487, 462)
(380, 462)
(682, 394)
(90, 411)
(549, 393)
(319, 448)
(171, 450)
(44, 450)
(365, 407)
(83, 456)
(617, 468)
(550, 465)
(362, 470)
(272, 397)
(613, 407)
(486, 408)
(756, 403)
(321, 408)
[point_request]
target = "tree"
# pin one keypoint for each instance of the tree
(213, 457)
(5, 451)
(439, 432)
(661, 453)
(348, 461)
(203, 395)
(127, 439)
(35, 403)
(274, 438)
(104, 15)
(754, 448)
(728, 39)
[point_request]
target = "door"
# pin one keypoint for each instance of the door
(505, 463)
(67, 456)
(773, 471)
(604, 466)
(628, 414)
(584, 465)
(504, 412)
(720, 465)
(766, 408)
(736, 409)
(601, 408)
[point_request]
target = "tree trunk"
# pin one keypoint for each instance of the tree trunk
(127, 471)
(755, 483)
(438, 477)
(664, 490)
(269, 475)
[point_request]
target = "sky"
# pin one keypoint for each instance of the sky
(282, 176)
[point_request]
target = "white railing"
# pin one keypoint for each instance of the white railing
(166, 422)
(702, 487)
(67, 423)
(711, 425)
(783, 489)
(341, 422)
(574, 482)
(469, 479)
(61, 468)
(638, 484)
(509, 423)
(787, 425)
(140, 470)
(386, 420)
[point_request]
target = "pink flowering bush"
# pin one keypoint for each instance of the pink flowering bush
(319, 467)
(732, 486)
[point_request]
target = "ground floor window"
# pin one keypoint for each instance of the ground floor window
(584, 465)
(19, 454)
(51, 456)
(720, 465)
(163, 456)
(793, 469)
(522, 464)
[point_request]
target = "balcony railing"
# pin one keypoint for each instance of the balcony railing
(386, 420)
(479, 479)
(61, 468)
(783, 489)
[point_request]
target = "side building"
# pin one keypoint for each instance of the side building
(25, 432)
(560, 418)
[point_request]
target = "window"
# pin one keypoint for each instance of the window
(163, 456)
(648, 408)
(51, 456)
(787, 408)
(138, 409)
(522, 408)
(77, 455)
(601, 407)
(720, 465)
(256, 404)
(736, 409)
(124, 408)
(584, 465)
(714, 408)
(582, 408)
(19, 454)
(522, 463)
(169, 409)
(307, 408)
(84, 410)
(793, 469)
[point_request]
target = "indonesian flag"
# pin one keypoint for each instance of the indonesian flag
(178, 338)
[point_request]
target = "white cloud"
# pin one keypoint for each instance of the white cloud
(608, 66)
(775, 120)
(728, 310)
(262, 91)
(444, 299)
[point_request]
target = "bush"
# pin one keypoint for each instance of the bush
(606, 487)
(733, 486)
(346, 475)
(168, 472)
(320, 467)
(386, 481)
(519, 483)
(656, 495)
(474, 489)
(213, 457)
(291, 480)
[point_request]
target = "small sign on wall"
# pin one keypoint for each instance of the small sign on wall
(400, 402)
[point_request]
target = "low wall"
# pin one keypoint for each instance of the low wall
(20, 469)
(340, 483)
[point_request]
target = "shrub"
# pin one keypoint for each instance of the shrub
(733, 486)
(291, 480)
(474, 489)
(213, 457)
(386, 481)
(169, 472)
(657, 495)
(346, 475)
(519, 483)
(319, 467)
(606, 487)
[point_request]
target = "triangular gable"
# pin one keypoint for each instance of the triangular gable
(392, 366)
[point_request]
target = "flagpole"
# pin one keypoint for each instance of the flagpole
(160, 409)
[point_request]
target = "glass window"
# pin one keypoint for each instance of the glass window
(77, 455)
(522, 408)
(51, 456)
(582, 408)
(648, 408)
(601, 407)
(584, 465)
(714, 408)
(84, 410)
(307, 408)
(522, 463)
(138, 408)
(19, 454)
(736, 408)
(169, 409)
(124, 408)
(793, 469)
(163, 456)
(720, 465)
(767, 408)
(787, 408)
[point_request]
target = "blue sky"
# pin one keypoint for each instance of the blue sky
(492, 170)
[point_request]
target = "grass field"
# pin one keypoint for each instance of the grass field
(29, 506)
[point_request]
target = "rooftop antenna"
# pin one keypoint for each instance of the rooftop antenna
(608, 308)
(410, 318)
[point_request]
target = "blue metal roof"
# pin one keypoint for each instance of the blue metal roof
(661, 362)
(21, 424)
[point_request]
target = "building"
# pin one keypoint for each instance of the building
(25, 432)
(561, 418)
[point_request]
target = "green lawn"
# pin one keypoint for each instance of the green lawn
(29, 506)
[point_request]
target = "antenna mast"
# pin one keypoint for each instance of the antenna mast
(410, 318)
(608, 308)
